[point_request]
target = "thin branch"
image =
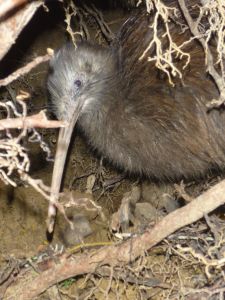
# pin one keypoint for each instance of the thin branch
(38, 120)
(24, 70)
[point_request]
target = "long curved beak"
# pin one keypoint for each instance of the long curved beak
(59, 164)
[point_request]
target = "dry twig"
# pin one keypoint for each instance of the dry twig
(97, 15)
(216, 17)
(24, 70)
(164, 57)
(72, 11)
(38, 120)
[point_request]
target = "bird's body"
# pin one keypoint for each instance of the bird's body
(131, 114)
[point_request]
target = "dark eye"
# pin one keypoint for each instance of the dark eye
(77, 83)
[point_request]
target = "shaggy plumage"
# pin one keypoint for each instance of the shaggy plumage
(131, 114)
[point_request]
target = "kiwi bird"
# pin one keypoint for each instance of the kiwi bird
(129, 112)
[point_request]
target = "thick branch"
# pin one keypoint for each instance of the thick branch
(127, 251)
(12, 26)
(7, 6)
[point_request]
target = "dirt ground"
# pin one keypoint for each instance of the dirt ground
(23, 211)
